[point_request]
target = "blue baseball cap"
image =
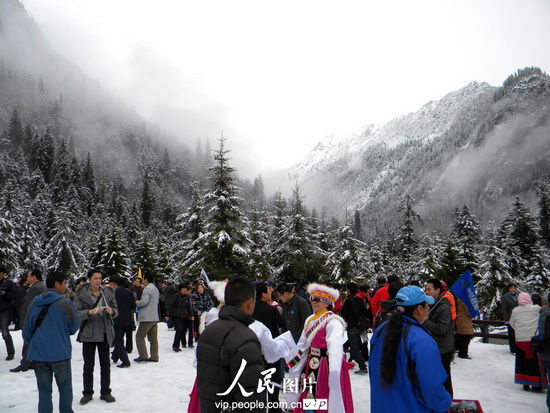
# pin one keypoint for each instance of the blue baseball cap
(412, 295)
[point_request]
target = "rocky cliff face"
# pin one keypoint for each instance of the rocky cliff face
(480, 145)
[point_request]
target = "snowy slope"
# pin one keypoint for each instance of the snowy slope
(481, 146)
(428, 123)
(164, 386)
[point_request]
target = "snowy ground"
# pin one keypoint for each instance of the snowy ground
(164, 386)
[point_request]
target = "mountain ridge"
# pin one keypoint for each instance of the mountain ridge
(415, 154)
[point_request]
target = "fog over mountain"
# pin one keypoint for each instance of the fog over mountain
(480, 146)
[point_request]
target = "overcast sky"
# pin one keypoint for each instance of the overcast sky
(278, 76)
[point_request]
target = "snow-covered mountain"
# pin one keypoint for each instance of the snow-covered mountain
(480, 145)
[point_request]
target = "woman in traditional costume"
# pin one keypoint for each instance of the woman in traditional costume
(319, 369)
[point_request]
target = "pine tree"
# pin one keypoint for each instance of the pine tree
(428, 262)
(46, 156)
(344, 263)
(538, 275)
(519, 237)
(99, 251)
(189, 235)
(543, 192)
(452, 266)
(63, 248)
(115, 261)
(10, 249)
(31, 249)
(295, 254)
(494, 276)
(147, 201)
(357, 230)
(16, 134)
(259, 250)
(466, 232)
(225, 252)
(406, 241)
(145, 257)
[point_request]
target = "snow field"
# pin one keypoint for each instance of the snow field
(165, 386)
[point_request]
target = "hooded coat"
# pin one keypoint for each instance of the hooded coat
(51, 342)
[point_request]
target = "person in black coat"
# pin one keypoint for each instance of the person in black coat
(226, 345)
(35, 287)
(272, 319)
(354, 312)
(295, 309)
(124, 323)
(181, 313)
(7, 295)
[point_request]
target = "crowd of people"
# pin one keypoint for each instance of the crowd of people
(269, 346)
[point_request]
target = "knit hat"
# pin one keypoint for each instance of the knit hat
(524, 299)
(327, 294)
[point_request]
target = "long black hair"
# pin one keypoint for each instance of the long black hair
(394, 329)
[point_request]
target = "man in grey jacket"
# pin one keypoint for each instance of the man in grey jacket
(148, 318)
(441, 325)
(97, 308)
(36, 287)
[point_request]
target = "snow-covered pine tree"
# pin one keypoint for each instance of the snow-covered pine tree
(406, 241)
(518, 236)
(98, 252)
(452, 266)
(466, 232)
(345, 263)
(538, 276)
(259, 249)
(187, 255)
(147, 201)
(543, 192)
(296, 257)
(428, 261)
(164, 263)
(144, 254)
(31, 246)
(225, 252)
(494, 276)
(10, 249)
(357, 229)
(115, 261)
(63, 248)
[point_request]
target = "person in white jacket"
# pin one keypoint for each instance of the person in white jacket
(524, 321)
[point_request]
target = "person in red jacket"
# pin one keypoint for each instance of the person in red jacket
(382, 295)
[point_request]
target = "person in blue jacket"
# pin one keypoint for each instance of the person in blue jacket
(50, 343)
(405, 369)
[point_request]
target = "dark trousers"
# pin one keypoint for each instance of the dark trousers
(354, 340)
(61, 370)
(119, 352)
(277, 377)
(26, 364)
(462, 342)
(5, 319)
(547, 368)
(511, 339)
(130, 339)
(446, 360)
(88, 354)
(196, 324)
(182, 326)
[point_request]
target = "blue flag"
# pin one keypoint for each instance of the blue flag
(463, 288)
(204, 276)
